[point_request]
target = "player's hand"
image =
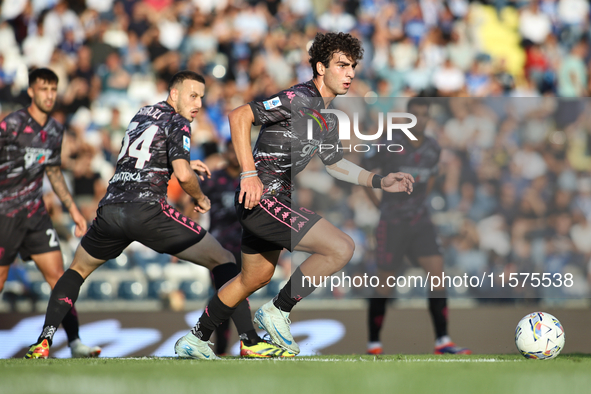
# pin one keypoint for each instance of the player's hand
(251, 190)
(203, 204)
(201, 169)
(80, 222)
(398, 182)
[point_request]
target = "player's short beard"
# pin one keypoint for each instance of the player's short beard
(181, 110)
(39, 104)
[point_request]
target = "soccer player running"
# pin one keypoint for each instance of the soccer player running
(31, 145)
(405, 228)
(269, 220)
(156, 145)
(221, 188)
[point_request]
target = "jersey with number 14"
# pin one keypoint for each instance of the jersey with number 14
(156, 136)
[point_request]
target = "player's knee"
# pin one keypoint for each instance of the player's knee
(222, 257)
(216, 259)
(53, 276)
(260, 282)
(254, 282)
(343, 250)
(228, 257)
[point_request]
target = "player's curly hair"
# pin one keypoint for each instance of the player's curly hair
(325, 45)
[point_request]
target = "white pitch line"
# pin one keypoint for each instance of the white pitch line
(435, 360)
(475, 360)
(326, 360)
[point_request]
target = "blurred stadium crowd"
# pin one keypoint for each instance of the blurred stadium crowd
(514, 188)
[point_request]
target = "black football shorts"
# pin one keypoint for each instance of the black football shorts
(396, 240)
(274, 224)
(154, 224)
(26, 236)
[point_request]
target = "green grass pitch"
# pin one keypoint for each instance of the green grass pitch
(320, 374)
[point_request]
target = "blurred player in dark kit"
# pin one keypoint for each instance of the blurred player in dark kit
(221, 187)
(30, 146)
(405, 228)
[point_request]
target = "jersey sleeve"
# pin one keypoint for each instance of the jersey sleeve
(8, 126)
(3, 133)
(179, 139)
(56, 155)
(335, 151)
(275, 109)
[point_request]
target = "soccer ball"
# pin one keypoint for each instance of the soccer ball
(540, 336)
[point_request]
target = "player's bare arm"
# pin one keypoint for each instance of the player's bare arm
(251, 187)
(352, 173)
(190, 184)
(56, 178)
(373, 197)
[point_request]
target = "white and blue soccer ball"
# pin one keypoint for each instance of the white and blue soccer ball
(540, 336)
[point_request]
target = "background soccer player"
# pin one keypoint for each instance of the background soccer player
(156, 145)
(405, 227)
(221, 187)
(280, 153)
(31, 145)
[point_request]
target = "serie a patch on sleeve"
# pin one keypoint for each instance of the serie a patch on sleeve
(186, 143)
(273, 103)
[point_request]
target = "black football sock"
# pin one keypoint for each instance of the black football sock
(242, 319)
(242, 316)
(250, 337)
(71, 325)
(438, 309)
(293, 292)
(62, 299)
(223, 273)
(222, 332)
(222, 335)
(375, 317)
(215, 313)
